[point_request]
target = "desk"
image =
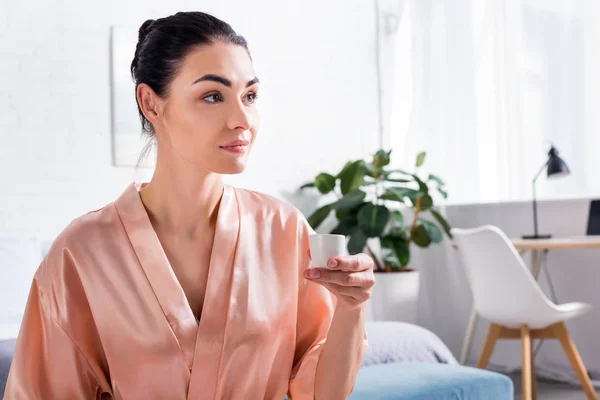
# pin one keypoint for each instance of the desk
(537, 247)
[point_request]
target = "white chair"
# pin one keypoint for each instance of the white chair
(506, 294)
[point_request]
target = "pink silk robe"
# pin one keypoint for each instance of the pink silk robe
(107, 318)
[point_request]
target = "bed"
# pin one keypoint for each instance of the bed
(403, 362)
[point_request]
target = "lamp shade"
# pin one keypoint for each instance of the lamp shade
(556, 165)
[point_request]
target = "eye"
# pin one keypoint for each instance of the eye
(213, 98)
(251, 97)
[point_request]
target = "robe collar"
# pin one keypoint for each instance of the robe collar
(201, 341)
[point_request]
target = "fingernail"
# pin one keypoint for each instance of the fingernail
(313, 273)
(332, 263)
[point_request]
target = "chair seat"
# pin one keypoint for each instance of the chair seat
(412, 381)
(571, 310)
(539, 319)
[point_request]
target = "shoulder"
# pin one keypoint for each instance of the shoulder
(74, 242)
(58, 279)
(89, 226)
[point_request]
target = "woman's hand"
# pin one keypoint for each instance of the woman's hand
(349, 278)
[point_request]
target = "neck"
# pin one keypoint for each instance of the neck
(182, 201)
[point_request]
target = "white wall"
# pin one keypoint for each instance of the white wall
(318, 105)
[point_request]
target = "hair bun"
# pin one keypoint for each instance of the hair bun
(145, 29)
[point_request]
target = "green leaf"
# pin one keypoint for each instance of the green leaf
(386, 242)
(398, 194)
(393, 262)
(343, 213)
(399, 248)
(369, 170)
(426, 202)
(373, 219)
(401, 233)
(391, 197)
(423, 188)
(442, 221)
(399, 171)
(421, 237)
(398, 180)
(368, 183)
(402, 250)
(436, 179)
(381, 158)
(307, 185)
(350, 200)
(339, 175)
(443, 193)
(357, 242)
(420, 159)
(432, 230)
(397, 215)
(352, 177)
(414, 196)
(347, 226)
(325, 182)
(319, 216)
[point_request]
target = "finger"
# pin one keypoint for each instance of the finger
(356, 293)
(339, 289)
(357, 262)
(362, 279)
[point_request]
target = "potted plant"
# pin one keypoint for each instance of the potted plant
(370, 206)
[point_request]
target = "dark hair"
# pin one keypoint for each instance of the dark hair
(163, 44)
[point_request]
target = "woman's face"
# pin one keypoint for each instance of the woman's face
(209, 117)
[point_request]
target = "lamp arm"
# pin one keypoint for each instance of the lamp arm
(535, 219)
(540, 171)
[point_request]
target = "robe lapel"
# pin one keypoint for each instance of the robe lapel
(160, 275)
(217, 301)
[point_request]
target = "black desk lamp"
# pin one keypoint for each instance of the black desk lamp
(556, 168)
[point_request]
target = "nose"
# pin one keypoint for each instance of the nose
(240, 117)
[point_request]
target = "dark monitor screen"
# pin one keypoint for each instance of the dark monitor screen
(594, 218)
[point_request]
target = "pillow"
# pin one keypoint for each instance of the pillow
(7, 348)
(391, 342)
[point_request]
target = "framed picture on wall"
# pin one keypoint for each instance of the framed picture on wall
(128, 141)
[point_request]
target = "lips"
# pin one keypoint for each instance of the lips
(235, 143)
(237, 146)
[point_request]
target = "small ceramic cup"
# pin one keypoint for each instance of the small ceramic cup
(325, 246)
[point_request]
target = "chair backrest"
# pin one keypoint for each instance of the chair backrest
(502, 285)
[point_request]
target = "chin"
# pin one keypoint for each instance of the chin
(232, 168)
(233, 171)
(230, 164)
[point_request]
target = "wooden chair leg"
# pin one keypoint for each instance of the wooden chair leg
(527, 363)
(489, 344)
(573, 355)
(533, 373)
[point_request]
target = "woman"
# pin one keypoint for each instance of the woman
(186, 288)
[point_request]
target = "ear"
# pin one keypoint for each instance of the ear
(149, 103)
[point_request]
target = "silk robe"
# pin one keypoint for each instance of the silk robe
(107, 318)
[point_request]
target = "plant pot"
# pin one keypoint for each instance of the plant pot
(394, 297)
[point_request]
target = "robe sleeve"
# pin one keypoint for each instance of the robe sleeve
(47, 363)
(316, 306)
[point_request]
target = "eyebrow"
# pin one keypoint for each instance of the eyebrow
(222, 80)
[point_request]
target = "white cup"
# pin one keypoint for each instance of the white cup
(325, 246)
